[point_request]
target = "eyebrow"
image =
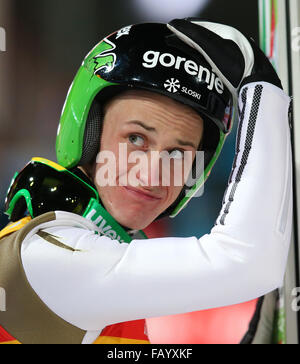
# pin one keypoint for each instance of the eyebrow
(140, 123)
(186, 144)
(153, 130)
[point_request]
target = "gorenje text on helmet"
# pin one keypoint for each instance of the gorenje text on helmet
(152, 58)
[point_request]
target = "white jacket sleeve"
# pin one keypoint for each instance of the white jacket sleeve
(103, 282)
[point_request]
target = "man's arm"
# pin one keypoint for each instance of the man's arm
(103, 282)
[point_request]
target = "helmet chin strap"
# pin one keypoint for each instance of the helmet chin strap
(107, 225)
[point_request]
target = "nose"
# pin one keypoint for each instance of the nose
(155, 168)
(159, 169)
(150, 170)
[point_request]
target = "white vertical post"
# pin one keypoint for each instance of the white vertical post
(294, 38)
(286, 74)
(276, 42)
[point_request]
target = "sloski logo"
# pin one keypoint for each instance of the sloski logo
(102, 57)
(172, 85)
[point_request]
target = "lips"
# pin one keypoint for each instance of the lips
(141, 194)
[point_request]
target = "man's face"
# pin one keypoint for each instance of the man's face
(145, 124)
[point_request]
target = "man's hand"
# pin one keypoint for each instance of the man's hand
(236, 59)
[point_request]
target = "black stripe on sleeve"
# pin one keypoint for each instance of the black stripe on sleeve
(247, 147)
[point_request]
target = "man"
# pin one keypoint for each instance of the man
(152, 88)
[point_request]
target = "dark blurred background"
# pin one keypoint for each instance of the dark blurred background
(46, 41)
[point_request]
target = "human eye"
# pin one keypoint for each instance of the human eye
(176, 154)
(137, 140)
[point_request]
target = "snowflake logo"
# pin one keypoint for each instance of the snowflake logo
(172, 85)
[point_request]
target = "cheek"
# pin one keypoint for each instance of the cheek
(112, 157)
(179, 171)
(173, 194)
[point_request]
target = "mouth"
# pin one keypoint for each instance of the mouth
(141, 194)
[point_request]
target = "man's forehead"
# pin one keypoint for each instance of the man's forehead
(155, 99)
(157, 114)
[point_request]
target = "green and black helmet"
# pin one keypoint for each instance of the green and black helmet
(147, 57)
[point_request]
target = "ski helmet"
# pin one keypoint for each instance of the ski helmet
(147, 57)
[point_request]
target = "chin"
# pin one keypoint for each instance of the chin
(132, 214)
(133, 223)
